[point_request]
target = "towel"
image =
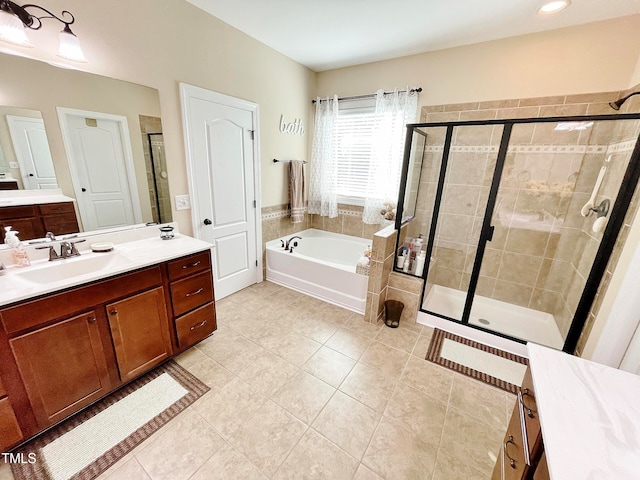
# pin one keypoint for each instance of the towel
(296, 190)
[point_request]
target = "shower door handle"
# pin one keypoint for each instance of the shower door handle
(489, 233)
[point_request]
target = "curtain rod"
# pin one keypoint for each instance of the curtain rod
(370, 95)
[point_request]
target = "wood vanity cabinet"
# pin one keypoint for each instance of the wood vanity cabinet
(10, 432)
(191, 287)
(522, 449)
(140, 345)
(34, 221)
(64, 351)
(63, 366)
(59, 218)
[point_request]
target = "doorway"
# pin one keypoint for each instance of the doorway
(102, 171)
(31, 147)
(222, 158)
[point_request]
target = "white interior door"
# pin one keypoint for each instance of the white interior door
(219, 136)
(101, 163)
(31, 145)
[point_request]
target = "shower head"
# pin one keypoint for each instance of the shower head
(618, 103)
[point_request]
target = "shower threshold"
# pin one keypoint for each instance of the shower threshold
(502, 317)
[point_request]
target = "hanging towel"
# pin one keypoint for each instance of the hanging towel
(296, 190)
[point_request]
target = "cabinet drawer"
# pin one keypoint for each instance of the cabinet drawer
(542, 470)
(191, 292)
(194, 326)
(10, 433)
(531, 417)
(513, 454)
(56, 208)
(189, 265)
(7, 213)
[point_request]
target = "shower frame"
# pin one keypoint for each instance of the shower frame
(614, 225)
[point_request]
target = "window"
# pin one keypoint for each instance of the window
(354, 143)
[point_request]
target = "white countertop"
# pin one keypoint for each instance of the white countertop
(138, 253)
(590, 416)
(16, 198)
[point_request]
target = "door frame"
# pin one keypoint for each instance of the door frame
(190, 91)
(12, 122)
(127, 151)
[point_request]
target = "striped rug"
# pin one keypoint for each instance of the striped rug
(490, 365)
(87, 444)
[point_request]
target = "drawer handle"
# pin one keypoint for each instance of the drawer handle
(201, 324)
(191, 265)
(530, 411)
(200, 290)
(512, 461)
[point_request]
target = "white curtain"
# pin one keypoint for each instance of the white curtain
(323, 197)
(393, 111)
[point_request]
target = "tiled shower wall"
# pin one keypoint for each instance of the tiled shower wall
(542, 248)
(154, 125)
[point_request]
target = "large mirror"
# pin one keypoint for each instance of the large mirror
(93, 139)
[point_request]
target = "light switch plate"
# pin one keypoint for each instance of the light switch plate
(14, 165)
(183, 202)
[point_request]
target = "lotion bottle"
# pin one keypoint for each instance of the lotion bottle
(20, 257)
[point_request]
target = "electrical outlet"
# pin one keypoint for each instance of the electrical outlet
(183, 202)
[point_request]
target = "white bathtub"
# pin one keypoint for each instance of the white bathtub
(323, 265)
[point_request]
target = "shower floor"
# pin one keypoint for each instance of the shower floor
(512, 320)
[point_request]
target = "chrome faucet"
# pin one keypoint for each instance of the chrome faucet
(50, 236)
(67, 250)
(286, 246)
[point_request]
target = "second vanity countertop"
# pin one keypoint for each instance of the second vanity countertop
(132, 255)
(589, 414)
(17, 198)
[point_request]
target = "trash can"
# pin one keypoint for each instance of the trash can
(392, 313)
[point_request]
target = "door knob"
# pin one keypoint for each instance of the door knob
(207, 221)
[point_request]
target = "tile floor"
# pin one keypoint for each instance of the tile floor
(301, 389)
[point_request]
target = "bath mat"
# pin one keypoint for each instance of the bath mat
(490, 365)
(84, 446)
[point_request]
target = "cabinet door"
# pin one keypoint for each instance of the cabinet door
(140, 332)
(10, 432)
(63, 367)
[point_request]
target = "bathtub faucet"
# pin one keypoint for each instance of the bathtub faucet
(286, 246)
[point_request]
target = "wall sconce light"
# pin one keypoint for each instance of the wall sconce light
(15, 18)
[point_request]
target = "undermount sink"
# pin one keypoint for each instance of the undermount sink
(59, 270)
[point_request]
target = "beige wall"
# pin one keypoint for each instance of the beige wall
(160, 43)
(596, 57)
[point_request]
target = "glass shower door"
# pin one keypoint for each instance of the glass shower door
(555, 193)
(461, 192)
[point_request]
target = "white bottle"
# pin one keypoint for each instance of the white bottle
(407, 262)
(420, 263)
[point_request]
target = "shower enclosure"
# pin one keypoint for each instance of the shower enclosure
(518, 218)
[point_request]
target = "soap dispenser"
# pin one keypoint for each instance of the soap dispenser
(20, 257)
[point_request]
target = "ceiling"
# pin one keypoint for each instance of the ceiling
(328, 34)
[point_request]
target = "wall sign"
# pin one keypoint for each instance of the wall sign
(293, 128)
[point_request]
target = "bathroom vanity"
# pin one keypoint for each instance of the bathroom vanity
(574, 419)
(34, 213)
(102, 320)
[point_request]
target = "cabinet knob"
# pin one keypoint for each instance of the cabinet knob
(114, 312)
(207, 221)
(91, 319)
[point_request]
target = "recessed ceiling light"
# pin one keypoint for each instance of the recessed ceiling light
(554, 7)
